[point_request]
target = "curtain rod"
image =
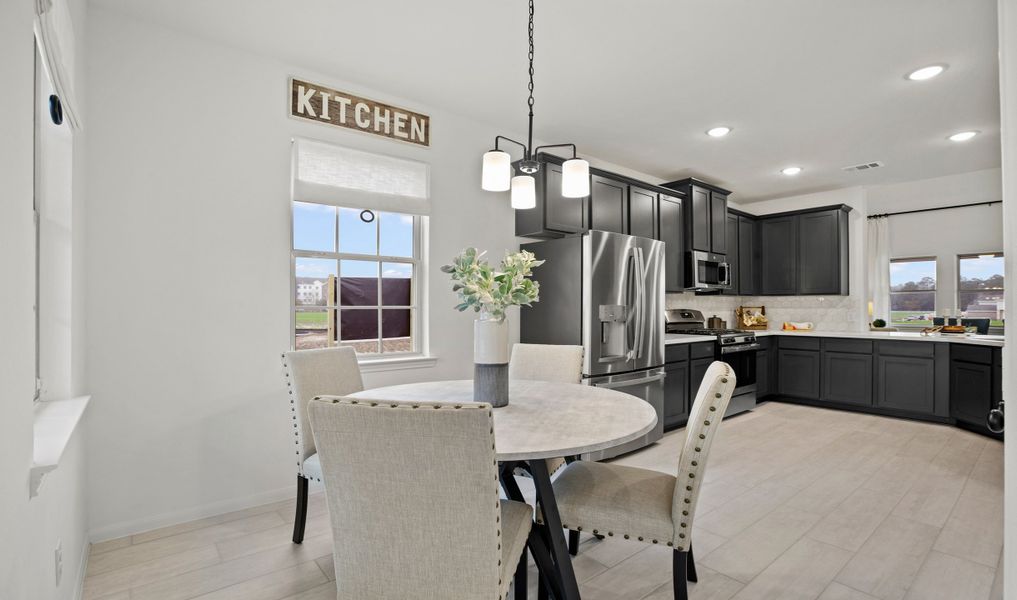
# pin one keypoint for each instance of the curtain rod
(921, 210)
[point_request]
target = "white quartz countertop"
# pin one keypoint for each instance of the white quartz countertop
(978, 340)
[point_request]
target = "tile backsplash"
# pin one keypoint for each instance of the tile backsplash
(828, 313)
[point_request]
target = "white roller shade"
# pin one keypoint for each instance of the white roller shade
(55, 32)
(329, 174)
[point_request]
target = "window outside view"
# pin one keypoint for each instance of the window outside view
(980, 287)
(353, 278)
(912, 291)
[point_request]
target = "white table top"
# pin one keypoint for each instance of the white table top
(542, 419)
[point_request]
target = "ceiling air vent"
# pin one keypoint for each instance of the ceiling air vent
(864, 166)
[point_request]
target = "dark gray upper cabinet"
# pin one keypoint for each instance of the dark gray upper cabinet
(823, 252)
(555, 215)
(748, 256)
(642, 212)
(608, 206)
(733, 256)
(804, 252)
(699, 217)
(669, 227)
(778, 242)
(705, 215)
(718, 223)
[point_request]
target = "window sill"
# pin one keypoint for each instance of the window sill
(55, 423)
(376, 365)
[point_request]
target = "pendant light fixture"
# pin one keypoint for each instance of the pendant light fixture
(497, 174)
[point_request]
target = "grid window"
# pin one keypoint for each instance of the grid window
(980, 287)
(912, 291)
(355, 279)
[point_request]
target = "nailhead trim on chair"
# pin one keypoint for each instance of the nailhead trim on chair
(695, 463)
(490, 414)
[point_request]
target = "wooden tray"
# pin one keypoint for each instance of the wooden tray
(741, 323)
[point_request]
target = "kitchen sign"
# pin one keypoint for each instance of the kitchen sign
(325, 105)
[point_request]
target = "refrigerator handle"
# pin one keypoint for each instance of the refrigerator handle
(631, 298)
(640, 301)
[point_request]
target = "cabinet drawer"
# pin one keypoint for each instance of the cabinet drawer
(844, 345)
(702, 350)
(972, 354)
(793, 343)
(676, 353)
(923, 349)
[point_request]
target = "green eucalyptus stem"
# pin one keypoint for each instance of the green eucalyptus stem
(484, 288)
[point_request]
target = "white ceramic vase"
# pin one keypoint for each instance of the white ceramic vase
(490, 358)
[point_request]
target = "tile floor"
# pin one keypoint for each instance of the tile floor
(798, 503)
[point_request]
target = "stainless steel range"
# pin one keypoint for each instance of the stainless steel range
(736, 348)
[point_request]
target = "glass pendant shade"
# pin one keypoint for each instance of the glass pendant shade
(497, 171)
(524, 194)
(575, 178)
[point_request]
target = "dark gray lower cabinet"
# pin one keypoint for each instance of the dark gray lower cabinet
(970, 392)
(847, 378)
(906, 383)
(763, 371)
(697, 371)
(798, 373)
(676, 394)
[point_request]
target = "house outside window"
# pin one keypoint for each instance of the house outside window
(980, 287)
(358, 236)
(912, 291)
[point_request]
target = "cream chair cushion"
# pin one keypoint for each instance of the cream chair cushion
(646, 505)
(413, 497)
(616, 500)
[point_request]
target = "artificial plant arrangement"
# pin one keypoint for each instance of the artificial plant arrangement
(490, 291)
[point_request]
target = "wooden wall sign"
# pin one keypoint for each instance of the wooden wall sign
(325, 105)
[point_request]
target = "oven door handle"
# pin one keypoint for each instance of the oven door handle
(739, 348)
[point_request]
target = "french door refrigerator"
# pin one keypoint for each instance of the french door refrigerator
(605, 292)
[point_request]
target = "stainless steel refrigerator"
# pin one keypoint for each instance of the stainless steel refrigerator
(605, 292)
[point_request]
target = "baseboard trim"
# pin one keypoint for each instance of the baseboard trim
(125, 528)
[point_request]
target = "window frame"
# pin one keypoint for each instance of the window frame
(958, 290)
(935, 290)
(415, 307)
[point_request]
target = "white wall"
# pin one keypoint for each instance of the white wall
(1008, 109)
(30, 529)
(189, 178)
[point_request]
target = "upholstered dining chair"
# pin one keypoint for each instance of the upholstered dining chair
(413, 497)
(311, 373)
(649, 506)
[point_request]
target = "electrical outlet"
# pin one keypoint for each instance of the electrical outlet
(58, 561)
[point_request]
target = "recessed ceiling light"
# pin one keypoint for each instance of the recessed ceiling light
(791, 170)
(718, 131)
(926, 72)
(962, 136)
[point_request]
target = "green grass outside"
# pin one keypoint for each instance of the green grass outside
(897, 317)
(312, 320)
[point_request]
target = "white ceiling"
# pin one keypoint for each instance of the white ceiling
(814, 83)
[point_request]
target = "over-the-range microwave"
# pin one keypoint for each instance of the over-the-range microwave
(708, 271)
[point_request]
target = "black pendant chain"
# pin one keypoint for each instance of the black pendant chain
(529, 100)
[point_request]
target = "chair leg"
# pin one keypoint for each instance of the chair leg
(573, 542)
(300, 519)
(691, 570)
(681, 588)
(520, 579)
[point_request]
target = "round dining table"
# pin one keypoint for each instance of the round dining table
(543, 420)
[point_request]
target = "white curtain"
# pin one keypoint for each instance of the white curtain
(55, 34)
(878, 252)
